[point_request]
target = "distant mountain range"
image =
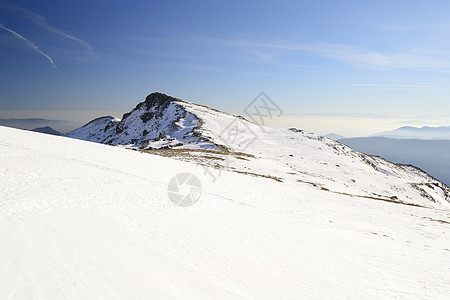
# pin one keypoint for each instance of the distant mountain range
(423, 133)
(425, 147)
(46, 129)
(409, 132)
(33, 123)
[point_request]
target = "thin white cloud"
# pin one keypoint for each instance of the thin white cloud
(30, 44)
(394, 85)
(367, 58)
(41, 21)
(410, 59)
(73, 46)
(418, 87)
(344, 115)
(419, 58)
(363, 57)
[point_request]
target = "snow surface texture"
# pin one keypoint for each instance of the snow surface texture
(81, 220)
(283, 214)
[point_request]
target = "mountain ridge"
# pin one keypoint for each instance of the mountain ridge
(167, 126)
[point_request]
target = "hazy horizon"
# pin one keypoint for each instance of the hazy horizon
(319, 123)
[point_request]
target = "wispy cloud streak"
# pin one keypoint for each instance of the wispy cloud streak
(354, 55)
(394, 85)
(29, 44)
(272, 51)
(41, 21)
(416, 87)
(69, 45)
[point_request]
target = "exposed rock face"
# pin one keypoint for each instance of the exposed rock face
(159, 100)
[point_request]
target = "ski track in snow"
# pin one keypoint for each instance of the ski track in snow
(80, 220)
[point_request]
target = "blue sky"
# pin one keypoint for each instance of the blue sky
(356, 67)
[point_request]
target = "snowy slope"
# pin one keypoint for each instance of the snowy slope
(303, 157)
(81, 220)
(233, 143)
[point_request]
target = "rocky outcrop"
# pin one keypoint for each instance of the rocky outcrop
(161, 121)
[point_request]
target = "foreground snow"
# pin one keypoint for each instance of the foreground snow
(81, 220)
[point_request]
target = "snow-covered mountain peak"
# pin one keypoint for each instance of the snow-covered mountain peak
(160, 121)
(215, 140)
(154, 103)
